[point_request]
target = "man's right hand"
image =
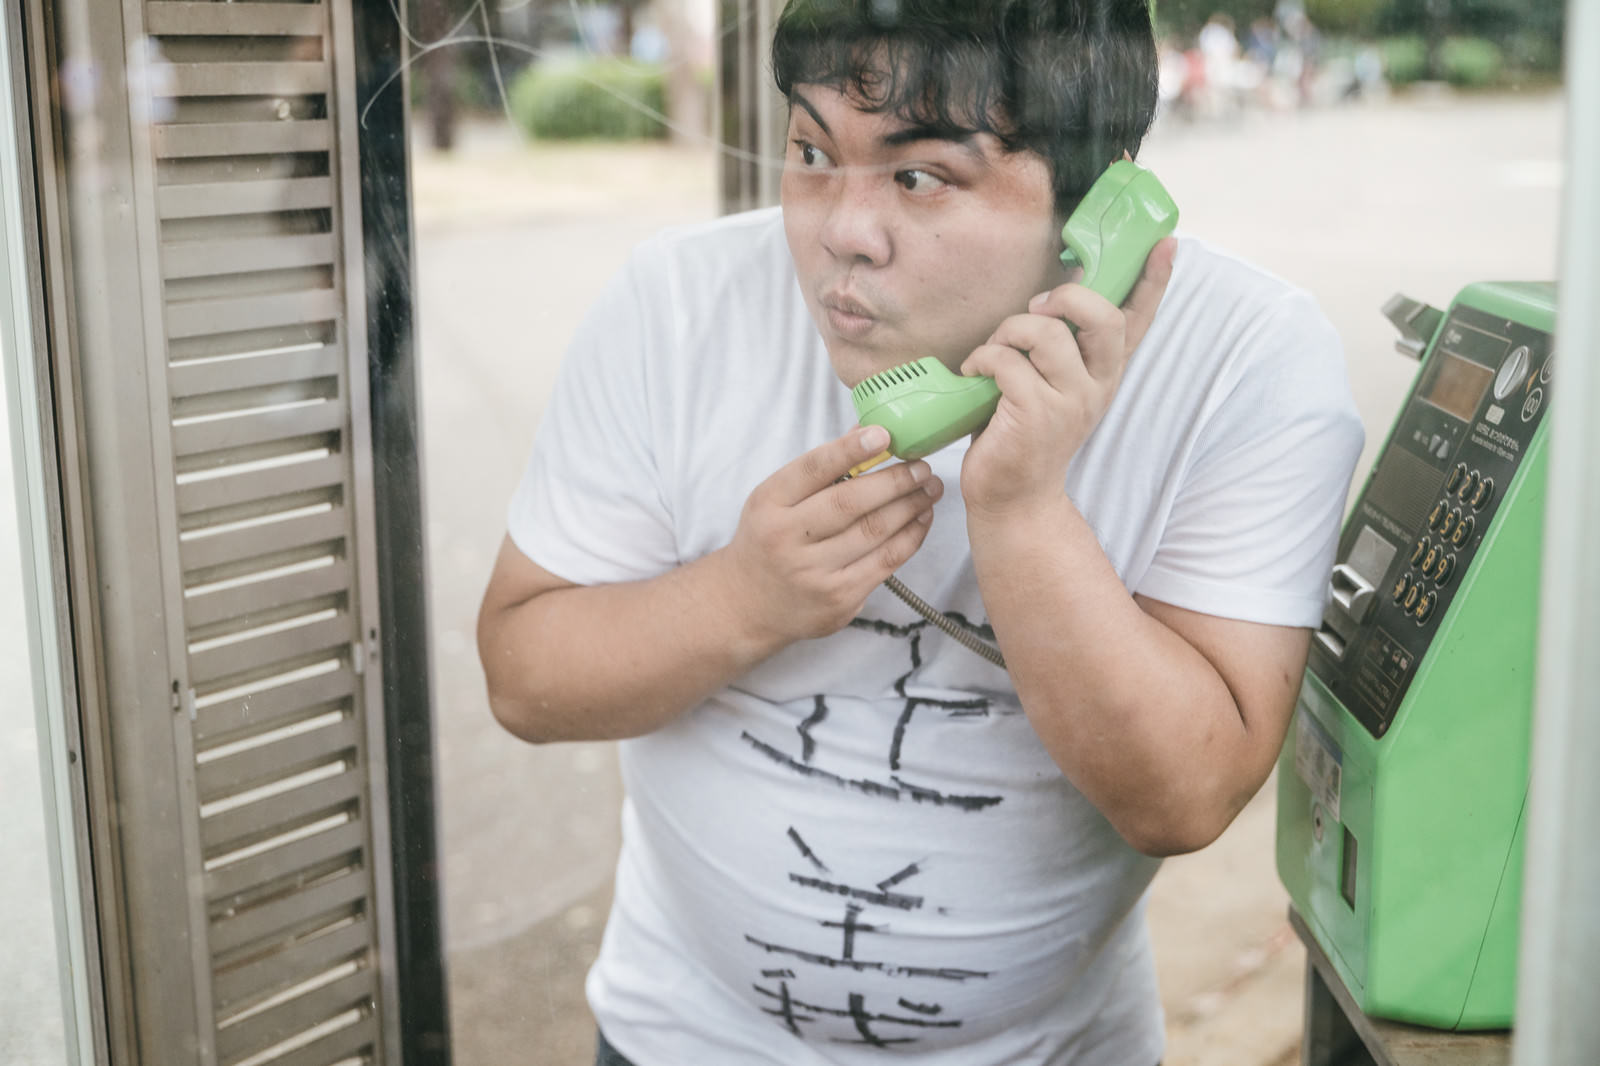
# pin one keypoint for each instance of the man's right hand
(606, 661)
(810, 548)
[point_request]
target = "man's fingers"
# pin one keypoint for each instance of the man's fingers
(872, 528)
(1140, 307)
(1100, 344)
(1049, 345)
(840, 507)
(825, 464)
(1010, 369)
(887, 556)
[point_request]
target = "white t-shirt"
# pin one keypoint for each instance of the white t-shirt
(860, 849)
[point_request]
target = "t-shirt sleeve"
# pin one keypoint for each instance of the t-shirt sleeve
(1255, 522)
(590, 507)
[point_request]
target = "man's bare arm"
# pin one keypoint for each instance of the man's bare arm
(1168, 720)
(603, 662)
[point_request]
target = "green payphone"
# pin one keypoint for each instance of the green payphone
(1403, 782)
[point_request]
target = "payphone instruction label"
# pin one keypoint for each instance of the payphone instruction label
(1318, 761)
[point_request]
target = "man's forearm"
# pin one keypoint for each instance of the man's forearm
(1136, 717)
(603, 662)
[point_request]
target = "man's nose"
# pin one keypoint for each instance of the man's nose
(856, 227)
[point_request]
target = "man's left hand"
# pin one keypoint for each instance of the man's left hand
(1055, 387)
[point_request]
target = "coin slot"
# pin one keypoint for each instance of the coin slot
(1347, 869)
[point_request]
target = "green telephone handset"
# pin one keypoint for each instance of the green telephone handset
(924, 405)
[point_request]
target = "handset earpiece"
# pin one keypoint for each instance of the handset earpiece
(925, 406)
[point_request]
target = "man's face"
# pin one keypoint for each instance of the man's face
(909, 244)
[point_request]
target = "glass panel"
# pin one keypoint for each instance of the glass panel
(1352, 149)
(516, 236)
(30, 997)
(33, 1024)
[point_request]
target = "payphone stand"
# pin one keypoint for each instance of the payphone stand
(1402, 786)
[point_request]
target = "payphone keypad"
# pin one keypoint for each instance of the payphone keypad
(1429, 504)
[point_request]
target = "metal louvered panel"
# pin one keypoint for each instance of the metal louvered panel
(250, 175)
(207, 301)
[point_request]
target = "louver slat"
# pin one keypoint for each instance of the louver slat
(277, 918)
(257, 427)
(210, 198)
(335, 1048)
(195, 318)
(268, 595)
(279, 1023)
(221, 549)
(198, 139)
(216, 664)
(262, 708)
(247, 79)
(227, 491)
(237, 986)
(254, 819)
(192, 259)
(302, 895)
(252, 370)
(218, 20)
(222, 777)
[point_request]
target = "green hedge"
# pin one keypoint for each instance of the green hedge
(1471, 62)
(1466, 62)
(1405, 59)
(609, 99)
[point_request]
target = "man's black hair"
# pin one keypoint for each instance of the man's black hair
(1073, 80)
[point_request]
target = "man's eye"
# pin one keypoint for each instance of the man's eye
(918, 181)
(811, 155)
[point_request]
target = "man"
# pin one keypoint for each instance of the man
(847, 837)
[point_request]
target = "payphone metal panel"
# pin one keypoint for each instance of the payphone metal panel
(1402, 784)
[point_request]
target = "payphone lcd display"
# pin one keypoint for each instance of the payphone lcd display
(1457, 385)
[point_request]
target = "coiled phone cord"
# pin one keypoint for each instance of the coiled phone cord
(947, 625)
(967, 639)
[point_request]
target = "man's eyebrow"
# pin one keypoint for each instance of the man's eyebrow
(965, 139)
(961, 138)
(796, 97)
